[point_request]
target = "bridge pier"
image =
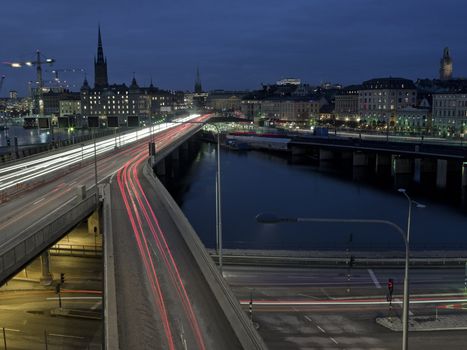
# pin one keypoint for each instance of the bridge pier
(401, 170)
(382, 162)
(46, 275)
(417, 171)
(359, 159)
(441, 173)
(325, 155)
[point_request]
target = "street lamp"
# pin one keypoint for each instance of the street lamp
(268, 218)
(218, 189)
(405, 320)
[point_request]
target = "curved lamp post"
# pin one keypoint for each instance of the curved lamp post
(268, 218)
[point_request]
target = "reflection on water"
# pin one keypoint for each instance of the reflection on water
(256, 182)
(34, 136)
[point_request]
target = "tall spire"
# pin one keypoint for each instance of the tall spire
(445, 69)
(100, 64)
(198, 86)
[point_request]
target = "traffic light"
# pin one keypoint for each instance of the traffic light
(57, 288)
(8, 142)
(390, 285)
(62, 278)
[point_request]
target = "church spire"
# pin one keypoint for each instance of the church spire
(198, 86)
(100, 64)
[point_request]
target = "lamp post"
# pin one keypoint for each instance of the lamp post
(267, 218)
(405, 320)
(218, 190)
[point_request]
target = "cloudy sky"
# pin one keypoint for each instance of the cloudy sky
(237, 44)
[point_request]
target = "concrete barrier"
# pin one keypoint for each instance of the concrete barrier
(241, 325)
(26, 245)
(110, 299)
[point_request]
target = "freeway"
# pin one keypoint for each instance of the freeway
(324, 308)
(27, 198)
(163, 298)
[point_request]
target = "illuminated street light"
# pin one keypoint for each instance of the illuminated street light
(268, 218)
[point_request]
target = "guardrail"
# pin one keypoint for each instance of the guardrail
(30, 243)
(76, 250)
(241, 325)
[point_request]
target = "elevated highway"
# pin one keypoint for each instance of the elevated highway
(166, 291)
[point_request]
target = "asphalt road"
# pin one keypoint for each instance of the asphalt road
(322, 308)
(163, 300)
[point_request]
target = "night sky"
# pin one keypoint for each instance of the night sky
(237, 44)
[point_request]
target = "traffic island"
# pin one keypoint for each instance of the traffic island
(426, 323)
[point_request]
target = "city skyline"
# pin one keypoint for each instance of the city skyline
(239, 47)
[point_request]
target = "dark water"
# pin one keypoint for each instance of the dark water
(36, 136)
(256, 182)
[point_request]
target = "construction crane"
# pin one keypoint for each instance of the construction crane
(38, 62)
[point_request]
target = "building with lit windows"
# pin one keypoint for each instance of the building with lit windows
(346, 103)
(119, 100)
(380, 100)
(450, 113)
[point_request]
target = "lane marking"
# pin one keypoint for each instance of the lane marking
(75, 298)
(309, 319)
(64, 336)
(322, 330)
(334, 340)
(12, 330)
(38, 201)
(375, 280)
(96, 305)
(400, 302)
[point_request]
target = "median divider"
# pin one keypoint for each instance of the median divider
(110, 299)
(241, 325)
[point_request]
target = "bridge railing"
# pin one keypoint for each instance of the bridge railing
(25, 246)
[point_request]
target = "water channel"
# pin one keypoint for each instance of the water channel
(256, 181)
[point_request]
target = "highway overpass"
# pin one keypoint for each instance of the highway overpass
(168, 291)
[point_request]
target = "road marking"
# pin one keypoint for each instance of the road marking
(309, 319)
(11, 330)
(326, 294)
(347, 302)
(322, 330)
(38, 201)
(64, 336)
(75, 298)
(373, 277)
(96, 305)
(334, 340)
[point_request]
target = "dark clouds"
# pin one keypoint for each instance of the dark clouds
(237, 44)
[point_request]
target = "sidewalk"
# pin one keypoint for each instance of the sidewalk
(426, 323)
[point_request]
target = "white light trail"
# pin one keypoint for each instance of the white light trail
(19, 173)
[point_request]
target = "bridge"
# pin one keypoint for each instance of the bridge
(161, 286)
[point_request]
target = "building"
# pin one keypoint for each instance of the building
(120, 100)
(289, 81)
(450, 113)
(100, 65)
(51, 100)
(225, 100)
(199, 97)
(445, 69)
(70, 107)
(346, 103)
(416, 119)
(13, 94)
(381, 99)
